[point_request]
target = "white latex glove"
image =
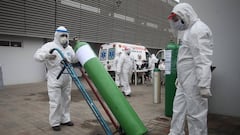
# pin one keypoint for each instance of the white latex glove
(51, 56)
(205, 92)
(176, 83)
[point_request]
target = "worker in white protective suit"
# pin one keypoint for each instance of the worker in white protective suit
(193, 72)
(161, 66)
(152, 62)
(124, 69)
(138, 63)
(117, 77)
(59, 91)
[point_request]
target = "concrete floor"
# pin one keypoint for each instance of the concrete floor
(24, 111)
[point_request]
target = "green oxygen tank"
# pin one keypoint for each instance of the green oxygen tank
(171, 53)
(117, 103)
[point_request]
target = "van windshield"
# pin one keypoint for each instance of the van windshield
(111, 53)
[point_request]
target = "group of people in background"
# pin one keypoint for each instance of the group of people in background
(127, 65)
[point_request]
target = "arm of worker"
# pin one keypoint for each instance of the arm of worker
(43, 54)
(202, 52)
(176, 82)
(74, 58)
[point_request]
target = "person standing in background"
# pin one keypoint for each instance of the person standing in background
(152, 62)
(117, 77)
(125, 70)
(161, 66)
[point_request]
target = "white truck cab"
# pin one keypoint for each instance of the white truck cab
(107, 54)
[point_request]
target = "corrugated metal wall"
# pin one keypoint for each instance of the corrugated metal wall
(100, 21)
(27, 17)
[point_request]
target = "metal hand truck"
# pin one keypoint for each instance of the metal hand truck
(68, 66)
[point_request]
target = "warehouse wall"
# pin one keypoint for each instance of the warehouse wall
(96, 21)
(100, 21)
(18, 65)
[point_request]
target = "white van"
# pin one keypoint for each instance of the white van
(107, 53)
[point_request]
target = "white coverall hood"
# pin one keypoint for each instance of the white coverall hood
(57, 36)
(186, 13)
(128, 51)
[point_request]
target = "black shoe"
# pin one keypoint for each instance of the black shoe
(67, 123)
(128, 95)
(56, 128)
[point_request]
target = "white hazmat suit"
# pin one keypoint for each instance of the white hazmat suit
(193, 72)
(152, 61)
(124, 69)
(59, 91)
(117, 77)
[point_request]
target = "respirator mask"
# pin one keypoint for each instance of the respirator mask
(63, 40)
(176, 24)
(180, 25)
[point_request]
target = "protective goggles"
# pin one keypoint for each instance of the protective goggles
(63, 35)
(174, 17)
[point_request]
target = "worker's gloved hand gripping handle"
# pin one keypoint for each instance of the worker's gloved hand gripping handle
(51, 51)
(63, 68)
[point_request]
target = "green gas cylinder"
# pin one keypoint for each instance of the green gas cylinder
(171, 53)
